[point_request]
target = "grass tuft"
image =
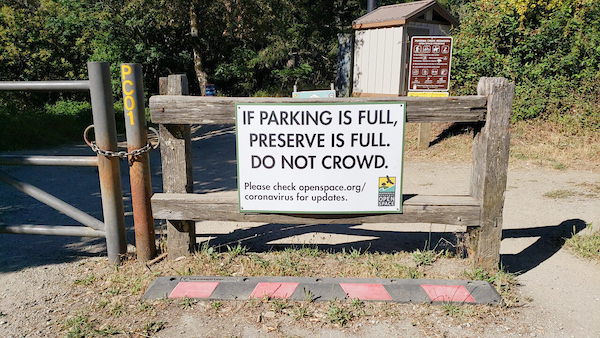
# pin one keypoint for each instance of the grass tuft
(559, 194)
(456, 310)
(79, 326)
(586, 246)
(187, 303)
(301, 311)
(279, 305)
(153, 327)
(503, 281)
(337, 314)
(216, 305)
(425, 257)
(85, 281)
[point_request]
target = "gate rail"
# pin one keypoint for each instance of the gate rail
(113, 227)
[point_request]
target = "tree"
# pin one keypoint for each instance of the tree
(549, 48)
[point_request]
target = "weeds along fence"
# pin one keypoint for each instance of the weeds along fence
(113, 227)
(480, 211)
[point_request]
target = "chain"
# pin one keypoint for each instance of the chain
(120, 154)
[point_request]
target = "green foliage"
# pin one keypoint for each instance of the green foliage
(46, 39)
(244, 46)
(413, 273)
(24, 125)
(549, 49)
(265, 47)
(309, 297)
(208, 251)
(69, 108)
(271, 45)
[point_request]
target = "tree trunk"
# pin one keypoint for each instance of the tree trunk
(200, 74)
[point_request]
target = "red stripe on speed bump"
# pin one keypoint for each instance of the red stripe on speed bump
(194, 289)
(366, 291)
(448, 293)
(274, 290)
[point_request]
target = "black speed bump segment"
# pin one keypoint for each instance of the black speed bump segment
(325, 289)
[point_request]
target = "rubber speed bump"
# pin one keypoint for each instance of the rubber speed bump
(325, 289)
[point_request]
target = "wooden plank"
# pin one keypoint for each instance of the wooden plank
(371, 72)
(390, 23)
(357, 69)
(168, 109)
(387, 63)
(489, 172)
(176, 158)
(380, 52)
(396, 68)
(163, 85)
(178, 85)
(223, 206)
(424, 135)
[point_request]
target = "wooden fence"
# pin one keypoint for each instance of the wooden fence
(480, 211)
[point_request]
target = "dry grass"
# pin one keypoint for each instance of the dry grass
(533, 143)
(550, 145)
(559, 194)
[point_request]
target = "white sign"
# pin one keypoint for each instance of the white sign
(320, 158)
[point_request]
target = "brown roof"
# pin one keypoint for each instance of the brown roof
(396, 15)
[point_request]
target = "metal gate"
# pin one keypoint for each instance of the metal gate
(113, 227)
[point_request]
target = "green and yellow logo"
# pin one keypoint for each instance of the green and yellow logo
(387, 191)
(387, 184)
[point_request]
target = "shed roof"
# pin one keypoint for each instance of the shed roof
(396, 15)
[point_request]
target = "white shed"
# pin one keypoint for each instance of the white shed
(382, 43)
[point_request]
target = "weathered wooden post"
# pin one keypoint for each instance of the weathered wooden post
(424, 135)
(489, 173)
(176, 155)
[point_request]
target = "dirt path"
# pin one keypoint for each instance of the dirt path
(542, 206)
(565, 289)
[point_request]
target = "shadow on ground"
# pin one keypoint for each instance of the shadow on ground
(550, 240)
(394, 238)
(457, 128)
(337, 237)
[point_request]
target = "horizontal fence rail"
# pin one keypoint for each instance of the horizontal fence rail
(172, 109)
(223, 206)
(83, 85)
(72, 161)
(51, 230)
